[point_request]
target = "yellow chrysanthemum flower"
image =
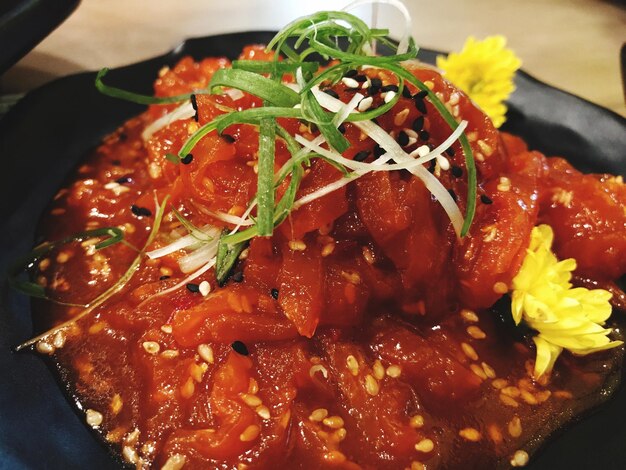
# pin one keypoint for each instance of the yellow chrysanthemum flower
(565, 317)
(484, 70)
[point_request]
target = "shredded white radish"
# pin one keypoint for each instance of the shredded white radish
(228, 218)
(199, 257)
(206, 233)
(403, 45)
(395, 151)
(184, 111)
(234, 93)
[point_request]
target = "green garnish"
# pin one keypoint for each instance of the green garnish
(115, 288)
(333, 35)
(113, 235)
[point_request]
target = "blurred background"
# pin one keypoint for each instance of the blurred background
(571, 44)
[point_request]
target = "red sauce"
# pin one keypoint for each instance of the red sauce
(368, 325)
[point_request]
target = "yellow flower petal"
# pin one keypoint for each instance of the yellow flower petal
(484, 70)
(565, 317)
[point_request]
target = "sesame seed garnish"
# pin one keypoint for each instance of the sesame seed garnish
(390, 95)
(350, 82)
(508, 401)
(376, 85)
(500, 288)
(351, 73)
(485, 148)
(419, 104)
(318, 368)
(478, 371)
(450, 152)
(511, 391)
(206, 353)
(424, 135)
(274, 293)
(418, 124)
(403, 139)
(237, 276)
(365, 104)
(361, 78)
(174, 462)
(187, 159)
(333, 422)
(229, 139)
(515, 427)
(123, 179)
(520, 458)
(328, 249)
(353, 365)
(563, 394)
(167, 329)
(406, 93)
(400, 117)
(453, 195)
(334, 457)
(489, 371)
(378, 370)
(528, 397)
(93, 418)
(416, 421)
(151, 347)
(485, 199)
(170, 353)
(476, 332)
(417, 465)
(116, 404)
(494, 433)
(371, 385)
(191, 287)
(504, 184)
(297, 245)
(263, 411)
(378, 151)
(390, 87)
(443, 162)
(251, 400)
(394, 371)
(457, 171)
(250, 433)
(130, 454)
(342, 128)
(499, 383)
(318, 414)
(469, 351)
(361, 156)
(470, 434)
(331, 92)
(187, 389)
(240, 348)
(469, 315)
(425, 445)
(204, 288)
(140, 211)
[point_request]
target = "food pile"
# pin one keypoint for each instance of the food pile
(310, 264)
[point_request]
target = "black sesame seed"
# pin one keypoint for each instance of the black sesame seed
(195, 288)
(122, 136)
(122, 180)
(406, 92)
(163, 278)
(421, 94)
(424, 135)
(342, 128)
(378, 151)
(373, 90)
(361, 156)
(240, 348)
(403, 139)
(140, 211)
(418, 124)
(457, 171)
(431, 166)
(485, 199)
(360, 78)
(453, 194)
(389, 88)
(274, 293)
(187, 159)
(238, 276)
(351, 73)
(376, 85)
(194, 105)
(331, 92)
(228, 138)
(419, 104)
(377, 82)
(450, 151)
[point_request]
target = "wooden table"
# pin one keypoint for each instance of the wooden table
(571, 44)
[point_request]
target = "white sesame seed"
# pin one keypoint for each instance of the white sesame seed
(93, 418)
(59, 339)
(263, 412)
(130, 454)
(350, 82)
(425, 445)
(365, 104)
(166, 329)
(443, 162)
(318, 368)
(399, 118)
(44, 347)
(410, 132)
(318, 414)
(520, 458)
(250, 433)
(371, 385)
(390, 95)
(204, 288)
(206, 353)
(175, 462)
(151, 347)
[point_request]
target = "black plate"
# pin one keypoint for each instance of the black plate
(52, 128)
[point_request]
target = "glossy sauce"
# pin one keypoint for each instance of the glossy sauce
(369, 330)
